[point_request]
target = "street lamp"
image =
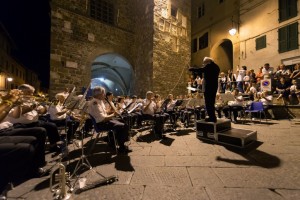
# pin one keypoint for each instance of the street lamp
(9, 79)
(233, 30)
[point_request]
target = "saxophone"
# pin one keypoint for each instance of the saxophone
(63, 189)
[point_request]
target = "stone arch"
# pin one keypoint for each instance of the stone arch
(113, 72)
(222, 52)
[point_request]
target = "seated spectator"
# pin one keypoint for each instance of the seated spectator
(296, 73)
(294, 96)
(283, 89)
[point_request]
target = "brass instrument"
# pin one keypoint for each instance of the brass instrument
(63, 189)
(119, 114)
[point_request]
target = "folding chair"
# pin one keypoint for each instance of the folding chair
(256, 107)
(100, 133)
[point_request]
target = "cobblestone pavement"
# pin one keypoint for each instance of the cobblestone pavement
(183, 167)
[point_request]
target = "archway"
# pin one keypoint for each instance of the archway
(113, 72)
(223, 55)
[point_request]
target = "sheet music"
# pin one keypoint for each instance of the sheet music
(199, 102)
(227, 97)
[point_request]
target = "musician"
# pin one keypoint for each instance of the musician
(121, 105)
(219, 105)
(107, 121)
(149, 109)
(170, 109)
(109, 104)
(21, 150)
(26, 115)
(134, 110)
(234, 106)
(62, 116)
(210, 86)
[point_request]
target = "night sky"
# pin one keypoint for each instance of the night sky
(28, 23)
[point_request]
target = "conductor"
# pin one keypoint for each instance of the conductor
(211, 72)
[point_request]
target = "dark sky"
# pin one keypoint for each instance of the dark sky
(28, 23)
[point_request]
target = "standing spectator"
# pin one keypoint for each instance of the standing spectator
(231, 79)
(259, 75)
(223, 82)
(241, 73)
(267, 70)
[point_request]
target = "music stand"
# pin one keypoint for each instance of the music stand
(83, 161)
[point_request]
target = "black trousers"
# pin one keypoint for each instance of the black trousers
(120, 128)
(38, 133)
(210, 99)
(18, 158)
(50, 127)
(71, 124)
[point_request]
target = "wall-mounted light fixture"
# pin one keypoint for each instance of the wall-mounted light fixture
(233, 29)
(9, 79)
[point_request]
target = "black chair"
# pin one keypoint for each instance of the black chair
(100, 133)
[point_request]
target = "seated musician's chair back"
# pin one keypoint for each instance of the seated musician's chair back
(100, 133)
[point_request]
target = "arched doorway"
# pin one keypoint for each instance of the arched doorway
(223, 55)
(113, 72)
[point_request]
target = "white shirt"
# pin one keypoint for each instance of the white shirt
(26, 118)
(5, 125)
(151, 108)
(97, 109)
(241, 74)
(53, 110)
(267, 100)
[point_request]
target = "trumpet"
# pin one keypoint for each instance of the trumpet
(61, 191)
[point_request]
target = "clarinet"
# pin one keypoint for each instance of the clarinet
(113, 108)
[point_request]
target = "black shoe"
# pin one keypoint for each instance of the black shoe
(235, 121)
(41, 172)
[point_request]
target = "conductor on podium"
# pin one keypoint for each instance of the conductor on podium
(210, 72)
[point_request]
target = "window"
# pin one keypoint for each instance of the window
(194, 45)
(203, 41)
(201, 11)
(102, 10)
(173, 11)
(261, 42)
(288, 38)
(287, 9)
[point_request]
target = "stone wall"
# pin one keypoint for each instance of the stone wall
(143, 47)
(76, 40)
(171, 48)
(159, 55)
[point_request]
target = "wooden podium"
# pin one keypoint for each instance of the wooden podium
(222, 132)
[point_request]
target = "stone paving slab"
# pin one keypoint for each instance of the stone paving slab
(254, 178)
(171, 176)
(147, 161)
(174, 193)
(200, 161)
(241, 193)
(289, 194)
(124, 192)
(204, 177)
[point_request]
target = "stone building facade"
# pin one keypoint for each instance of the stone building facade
(137, 31)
